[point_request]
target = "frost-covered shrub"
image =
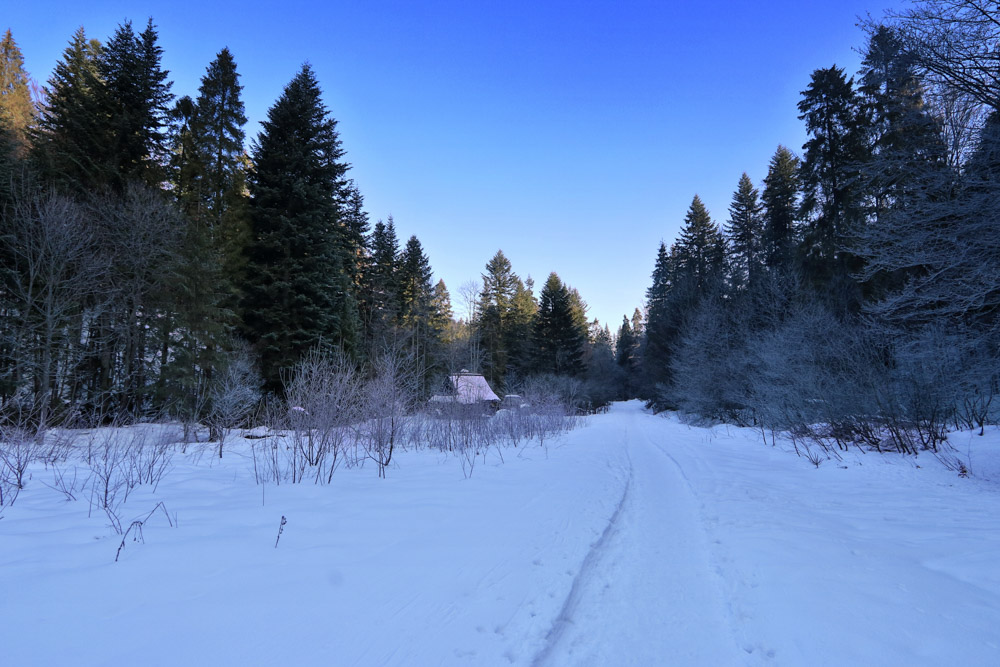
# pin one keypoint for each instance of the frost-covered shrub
(325, 395)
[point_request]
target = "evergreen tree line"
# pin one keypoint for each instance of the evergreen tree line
(858, 287)
(153, 265)
(512, 337)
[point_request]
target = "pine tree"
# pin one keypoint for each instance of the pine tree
(624, 354)
(634, 380)
(17, 110)
(780, 200)
(745, 231)
(9, 166)
(661, 327)
(187, 170)
(355, 231)
(380, 292)
(560, 336)
(909, 159)
(692, 271)
(416, 315)
(415, 290)
(833, 205)
(519, 328)
(499, 285)
(905, 137)
(218, 124)
(441, 312)
(218, 172)
(638, 325)
(297, 291)
(578, 313)
(136, 100)
(74, 132)
(700, 250)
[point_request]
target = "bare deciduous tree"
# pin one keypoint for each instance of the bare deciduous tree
(389, 395)
(958, 40)
(52, 270)
(325, 399)
(234, 391)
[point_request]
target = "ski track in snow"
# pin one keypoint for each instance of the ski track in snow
(589, 570)
(635, 540)
(650, 572)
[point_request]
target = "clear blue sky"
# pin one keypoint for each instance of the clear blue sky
(572, 135)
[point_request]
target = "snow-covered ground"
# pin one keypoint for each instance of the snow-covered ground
(634, 540)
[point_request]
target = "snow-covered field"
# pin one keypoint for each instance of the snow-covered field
(634, 540)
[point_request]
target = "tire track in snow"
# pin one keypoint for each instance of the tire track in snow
(590, 565)
(646, 593)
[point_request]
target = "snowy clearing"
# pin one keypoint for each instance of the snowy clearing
(633, 540)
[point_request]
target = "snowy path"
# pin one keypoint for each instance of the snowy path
(635, 540)
(649, 572)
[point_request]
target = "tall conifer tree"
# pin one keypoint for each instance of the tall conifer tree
(518, 329)
(415, 289)
(660, 325)
(17, 110)
(74, 132)
(560, 335)
(297, 291)
(780, 199)
(499, 285)
(136, 100)
(745, 231)
(219, 118)
(417, 317)
(625, 348)
(380, 288)
(833, 200)
(700, 250)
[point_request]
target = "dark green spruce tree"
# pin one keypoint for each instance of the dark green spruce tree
(416, 315)
(908, 167)
(136, 101)
(833, 197)
(745, 231)
(441, 321)
(415, 289)
(210, 169)
(625, 346)
(73, 134)
(780, 198)
(17, 109)
(560, 335)
(355, 232)
(661, 326)
(208, 185)
(700, 250)
(692, 271)
(380, 285)
(495, 308)
(519, 329)
(297, 291)
(219, 117)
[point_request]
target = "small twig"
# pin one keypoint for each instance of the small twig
(138, 537)
(137, 525)
(281, 528)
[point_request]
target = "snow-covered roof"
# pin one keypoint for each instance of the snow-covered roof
(471, 388)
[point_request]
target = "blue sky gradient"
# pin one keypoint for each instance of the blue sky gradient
(573, 135)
